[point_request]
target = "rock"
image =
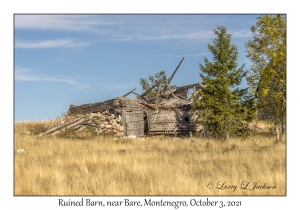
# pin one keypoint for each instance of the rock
(21, 152)
(120, 134)
(108, 126)
(120, 128)
(131, 137)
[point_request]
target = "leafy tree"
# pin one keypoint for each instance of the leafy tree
(223, 108)
(267, 51)
(147, 84)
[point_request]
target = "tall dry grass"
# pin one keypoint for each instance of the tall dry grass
(157, 166)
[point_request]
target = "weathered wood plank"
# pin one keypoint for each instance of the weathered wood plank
(57, 132)
(54, 129)
(75, 127)
(74, 123)
(94, 121)
(101, 108)
(170, 79)
(124, 120)
(60, 126)
(129, 92)
(142, 95)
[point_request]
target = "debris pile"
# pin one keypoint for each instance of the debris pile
(100, 123)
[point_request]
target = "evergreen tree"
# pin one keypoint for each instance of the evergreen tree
(223, 108)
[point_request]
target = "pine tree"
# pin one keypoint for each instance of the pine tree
(223, 108)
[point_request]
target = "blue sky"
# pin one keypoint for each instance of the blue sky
(77, 59)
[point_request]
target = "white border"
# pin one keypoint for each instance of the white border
(8, 8)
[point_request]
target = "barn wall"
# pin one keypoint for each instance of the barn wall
(170, 121)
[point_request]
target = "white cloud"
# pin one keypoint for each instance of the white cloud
(187, 36)
(82, 23)
(116, 28)
(242, 33)
(55, 43)
(194, 35)
(120, 86)
(23, 74)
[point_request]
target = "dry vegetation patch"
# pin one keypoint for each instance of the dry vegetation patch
(104, 165)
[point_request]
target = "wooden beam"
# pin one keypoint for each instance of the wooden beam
(142, 95)
(158, 93)
(171, 91)
(199, 85)
(129, 92)
(62, 126)
(170, 79)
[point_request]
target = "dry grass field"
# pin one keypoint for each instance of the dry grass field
(99, 165)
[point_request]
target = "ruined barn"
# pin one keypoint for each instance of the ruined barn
(172, 115)
(169, 112)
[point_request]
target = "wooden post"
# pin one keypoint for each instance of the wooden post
(228, 140)
(124, 121)
(158, 93)
(187, 94)
(170, 79)
(171, 91)
(277, 133)
(191, 136)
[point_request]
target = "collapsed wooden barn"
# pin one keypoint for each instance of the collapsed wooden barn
(169, 112)
(172, 114)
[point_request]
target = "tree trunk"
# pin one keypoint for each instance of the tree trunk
(282, 128)
(277, 133)
(228, 140)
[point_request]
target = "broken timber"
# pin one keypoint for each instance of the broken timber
(61, 127)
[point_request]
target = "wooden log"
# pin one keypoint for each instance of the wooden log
(74, 123)
(171, 92)
(94, 121)
(129, 92)
(80, 129)
(158, 93)
(151, 106)
(141, 96)
(95, 109)
(53, 129)
(195, 85)
(170, 79)
(62, 127)
(75, 127)
(181, 88)
(57, 132)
